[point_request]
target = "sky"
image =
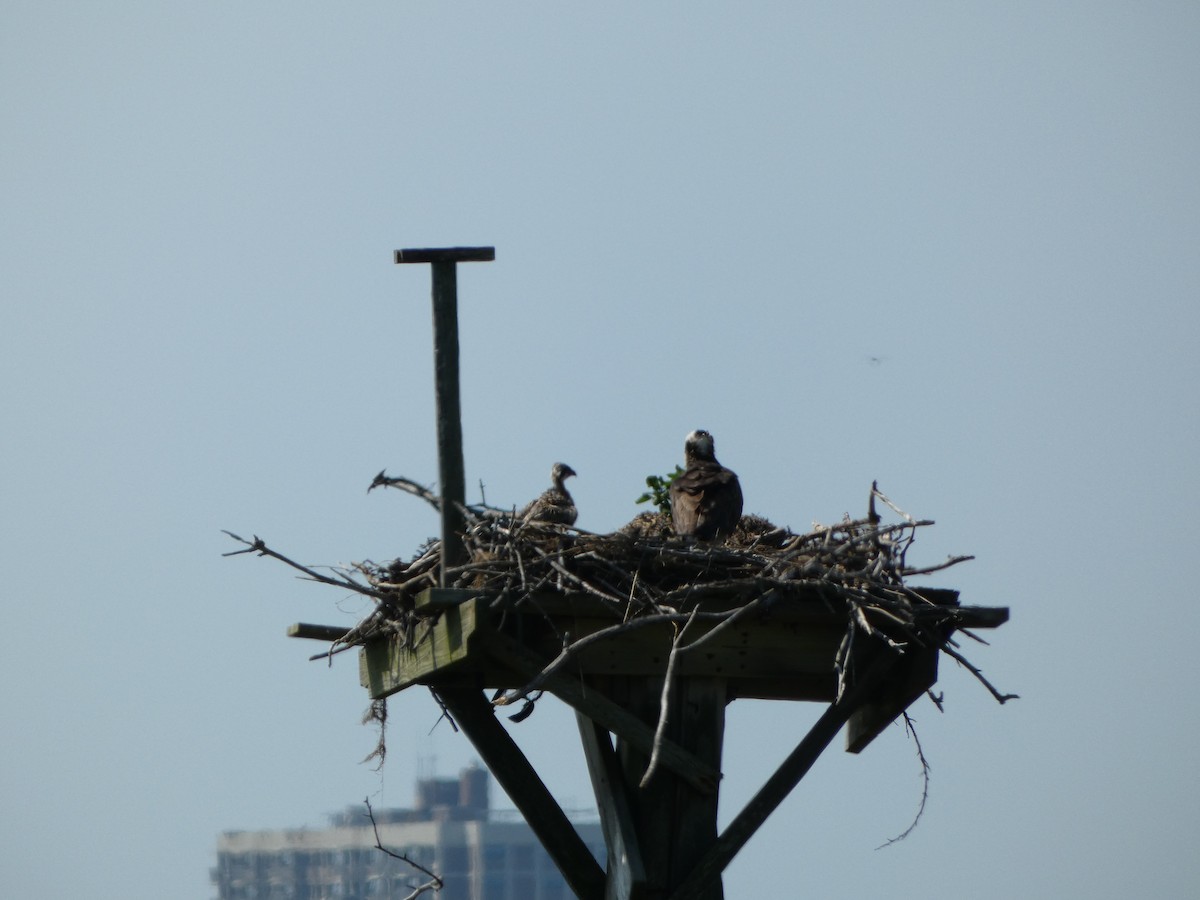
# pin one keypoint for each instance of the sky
(952, 247)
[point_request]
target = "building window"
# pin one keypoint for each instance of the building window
(495, 887)
(455, 887)
(521, 856)
(493, 858)
(455, 860)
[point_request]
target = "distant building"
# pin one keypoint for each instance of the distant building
(479, 854)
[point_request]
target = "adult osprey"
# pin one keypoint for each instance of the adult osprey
(706, 498)
(554, 504)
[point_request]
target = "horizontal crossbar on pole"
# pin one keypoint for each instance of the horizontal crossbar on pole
(446, 254)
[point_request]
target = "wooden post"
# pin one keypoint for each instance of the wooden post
(674, 822)
(711, 863)
(451, 475)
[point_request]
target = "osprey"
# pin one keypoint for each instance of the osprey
(706, 498)
(554, 504)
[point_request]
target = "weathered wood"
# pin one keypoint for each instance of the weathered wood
(981, 616)
(317, 632)
(590, 701)
(446, 254)
(676, 824)
(432, 601)
(452, 485)
(700, 708)
(626, 873)
(781, 783)
(475, 716)
(446, 647)
(784, 653)
(452, 479)
(641, 697)
(912, 675)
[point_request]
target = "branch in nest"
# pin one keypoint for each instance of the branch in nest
(1000, 698)
(408, 486)
(259, 546)
(952, 561)
(572, 648)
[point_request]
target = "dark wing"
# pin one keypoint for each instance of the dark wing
(706, 501)
(552, 506)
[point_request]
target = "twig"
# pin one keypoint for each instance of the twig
(259, 547)
(445, 712)
(571, 649)
(951, 561)
(1000, 698)
(664, 703)
(875, 492)
(911, 728)
(408, 486)
(434, 883)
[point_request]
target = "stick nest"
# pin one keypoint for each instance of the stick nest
(857, 567)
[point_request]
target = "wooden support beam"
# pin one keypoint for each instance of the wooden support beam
(476, 717)
(626, 871)
(676, 824)
(451, 470)
(452, 477)
(446, 254)
(317, 632)
(980, 616)
(592, 703)
(781, 783)
(446, 645)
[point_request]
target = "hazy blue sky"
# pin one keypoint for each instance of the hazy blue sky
(703, 217)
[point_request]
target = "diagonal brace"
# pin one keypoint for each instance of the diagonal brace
(592, 703)
(784, 779)
(476, 717)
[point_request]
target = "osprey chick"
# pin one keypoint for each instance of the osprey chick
(554, 504)
(706, 498)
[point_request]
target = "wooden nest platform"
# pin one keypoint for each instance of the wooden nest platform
(774, 615)
(648, 637)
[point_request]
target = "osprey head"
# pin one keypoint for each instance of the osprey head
(560, 472)
(699, 445)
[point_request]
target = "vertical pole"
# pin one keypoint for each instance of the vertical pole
(676, 824)
(449, 414)
(451, 473)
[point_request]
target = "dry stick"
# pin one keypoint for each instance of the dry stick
(664, 703)
(573, 648)
(737, 614)
(571, 576)
(259, 547)
(951, 561)
(445, 712)
(878, 493)
(1000, 698)
(911, 728)
(664, 706)
(973, 636)
(408, 486)
(435, 883)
